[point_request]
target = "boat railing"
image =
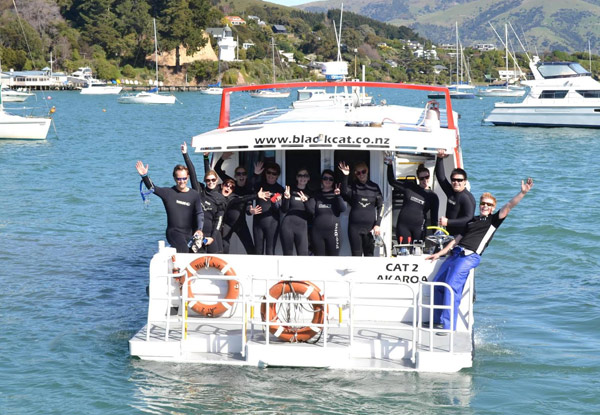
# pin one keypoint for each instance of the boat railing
(426, 302)
(349, 298)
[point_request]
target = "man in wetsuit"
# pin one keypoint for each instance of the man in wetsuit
(460, 206)
(185, 217)
(466, 250)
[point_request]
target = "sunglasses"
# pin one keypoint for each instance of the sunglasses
(327, 178)
(424, 177)
(360, 172)
(229, 184)
(272, 173)
(486, 204)
(456, 179)
(210, 180)
(181, 179)
(241, 173)
(302, 175)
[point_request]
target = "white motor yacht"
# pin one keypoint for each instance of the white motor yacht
(562, 94)
(10, 95)
(97, 87)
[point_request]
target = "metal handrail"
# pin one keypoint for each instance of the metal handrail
(432, 306)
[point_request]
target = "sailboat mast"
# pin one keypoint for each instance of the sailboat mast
(506, 49)
(273, 60)
(457, 52)
(155, 50)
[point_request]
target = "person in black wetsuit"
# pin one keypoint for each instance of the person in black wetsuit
(185, 217)
(465, 254)
(234, 220)
(416, 202)
(326, 206)
(294, 227)
(266, 220)
(366, 202)
(213, 202)
(460, 207)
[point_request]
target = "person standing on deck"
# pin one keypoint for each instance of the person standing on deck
(294, 226)
(460, 207)
(466, 250)
(185, 216)
(266, 219)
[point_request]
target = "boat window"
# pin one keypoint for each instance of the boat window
(549, 94)
(350, 158)
(551, 70)
(308, 159)
(590, 94)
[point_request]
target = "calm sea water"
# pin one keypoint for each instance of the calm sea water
(75, 243)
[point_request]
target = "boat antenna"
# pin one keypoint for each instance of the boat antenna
(23, 30)
(590, 55)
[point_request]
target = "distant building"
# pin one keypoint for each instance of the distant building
(277, 28)
(220, 32)
(235, 20)
(448, 46)
(289, 56)
(510, 74)
(247, 45)
(257, 20)
(484, 47)
(430, 54)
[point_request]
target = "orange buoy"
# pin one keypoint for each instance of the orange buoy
(294, 334)
(233, 291)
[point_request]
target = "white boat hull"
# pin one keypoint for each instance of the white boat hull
(147, 98)
(212, 91)
(544, 116)
(23, 128)
(101, 90)
(270, 94)
(501, 92)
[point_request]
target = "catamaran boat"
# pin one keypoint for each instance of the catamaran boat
(97, 87)
(362, 313)
(562, 94)
(10, 95)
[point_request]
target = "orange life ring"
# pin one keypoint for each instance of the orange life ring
(233, 291)
(294, 334)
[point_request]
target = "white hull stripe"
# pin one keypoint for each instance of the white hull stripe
(225, 269)
(279, 331)
(308, 291)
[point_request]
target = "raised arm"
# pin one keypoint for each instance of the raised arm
(345, 190)
(219, 167)
(191, 169)
(440, 172)
(396, 184)
(143, 171)
(525, 188)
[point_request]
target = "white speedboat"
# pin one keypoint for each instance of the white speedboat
(214, 89)
(361, 313)
(151, 96)
(10, 95)
(562, 94)
(97, 87)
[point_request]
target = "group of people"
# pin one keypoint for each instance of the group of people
(311, 218)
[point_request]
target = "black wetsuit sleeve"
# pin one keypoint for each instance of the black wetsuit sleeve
(220, 172)
(379, 207)
(218, 219)
(467, 208)
(440, 174)
(206, 163)
(346, 191)
(396, 184)
(434, 208)
(285, 204)
(338, 205)
(147, 182)
(311, 206)
(192, 171)
(199, 212)
(242, 199)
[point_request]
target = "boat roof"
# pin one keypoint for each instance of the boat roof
(369, 127)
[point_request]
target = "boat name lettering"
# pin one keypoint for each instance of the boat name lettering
(321, 139)
(402, 267)
(402, 278)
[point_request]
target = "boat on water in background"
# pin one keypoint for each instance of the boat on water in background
(97, 87)
(461, 89)
(19, 127)
(561, 94)
(10, 95)
(271, 93)
(359, 313)
(212, 89)
(152, 96)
